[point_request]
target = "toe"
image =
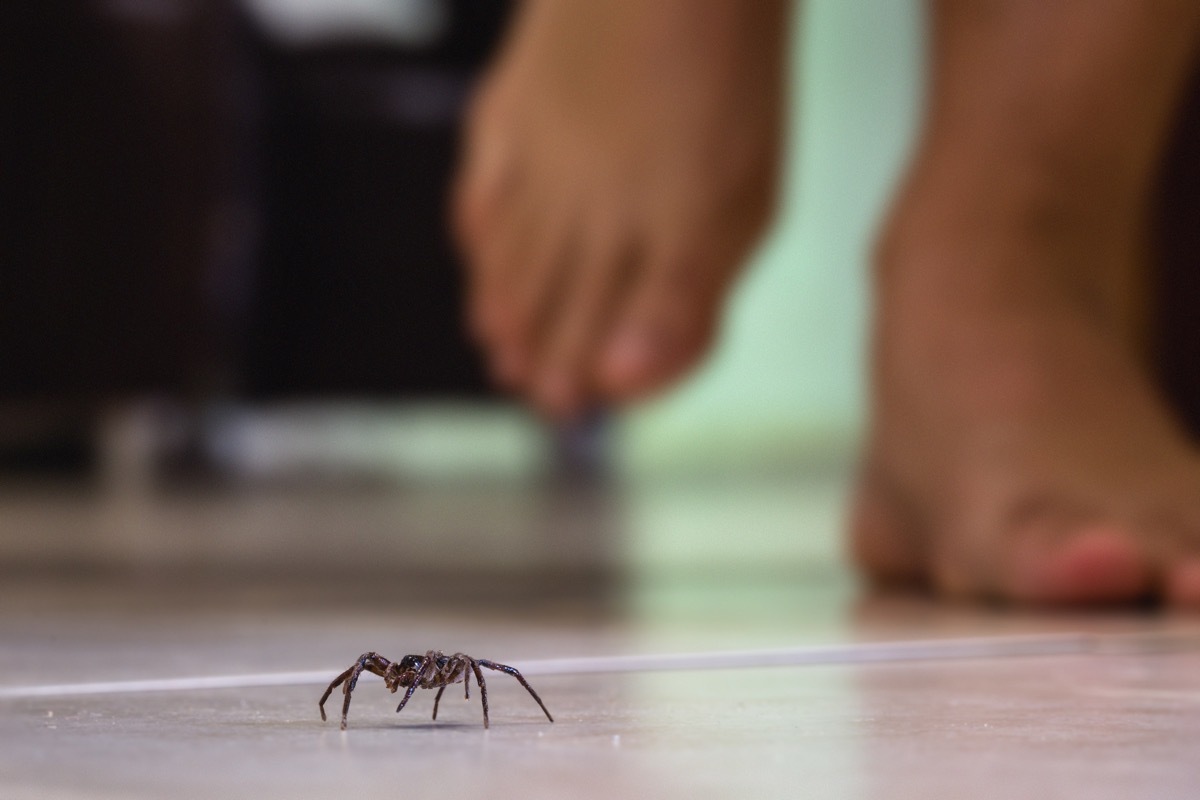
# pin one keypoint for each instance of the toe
(495, 262)
(664, 329)
(562, 386)
(882, 546)
(536, 292)
(1093, 564)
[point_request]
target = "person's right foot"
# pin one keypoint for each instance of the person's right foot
(620, 162)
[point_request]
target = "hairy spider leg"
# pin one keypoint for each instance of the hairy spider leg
(372, 662)
(453, 667)
(329, 690)
(437, 700)
(482, 688)
(483, 662)
(416, 682)
(391, 676)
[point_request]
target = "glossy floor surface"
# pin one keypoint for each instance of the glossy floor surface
(1092, 706)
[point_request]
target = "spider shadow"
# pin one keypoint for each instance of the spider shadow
(383, 725)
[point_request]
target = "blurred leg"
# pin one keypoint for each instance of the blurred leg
(1018, 447)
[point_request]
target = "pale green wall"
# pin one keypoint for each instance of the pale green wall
(787, 377)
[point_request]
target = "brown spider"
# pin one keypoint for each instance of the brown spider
(435, 669)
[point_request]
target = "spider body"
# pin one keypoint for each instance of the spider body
(434, 670)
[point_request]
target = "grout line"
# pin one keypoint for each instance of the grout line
(855, 653)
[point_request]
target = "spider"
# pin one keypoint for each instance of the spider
(435, 669)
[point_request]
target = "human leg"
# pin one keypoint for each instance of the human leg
(1018, 446)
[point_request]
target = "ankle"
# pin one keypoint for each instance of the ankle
(953, 246)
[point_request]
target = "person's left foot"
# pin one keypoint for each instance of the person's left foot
(1017, 450)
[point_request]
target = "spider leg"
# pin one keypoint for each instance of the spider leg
(436, 700)
(336, 682)
(348, 688)
(371, 662)
(459, 664)
(482, 690)
(407, 695)
(416, 683)
(483, 662)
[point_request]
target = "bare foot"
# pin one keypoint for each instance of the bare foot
(620, 162)
(1018, 448)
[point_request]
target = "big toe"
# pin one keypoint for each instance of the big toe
(643, 358)
(1091, 564)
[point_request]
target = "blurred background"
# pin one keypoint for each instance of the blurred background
(231, 351)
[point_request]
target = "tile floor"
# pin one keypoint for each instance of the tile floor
(1117, 715)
